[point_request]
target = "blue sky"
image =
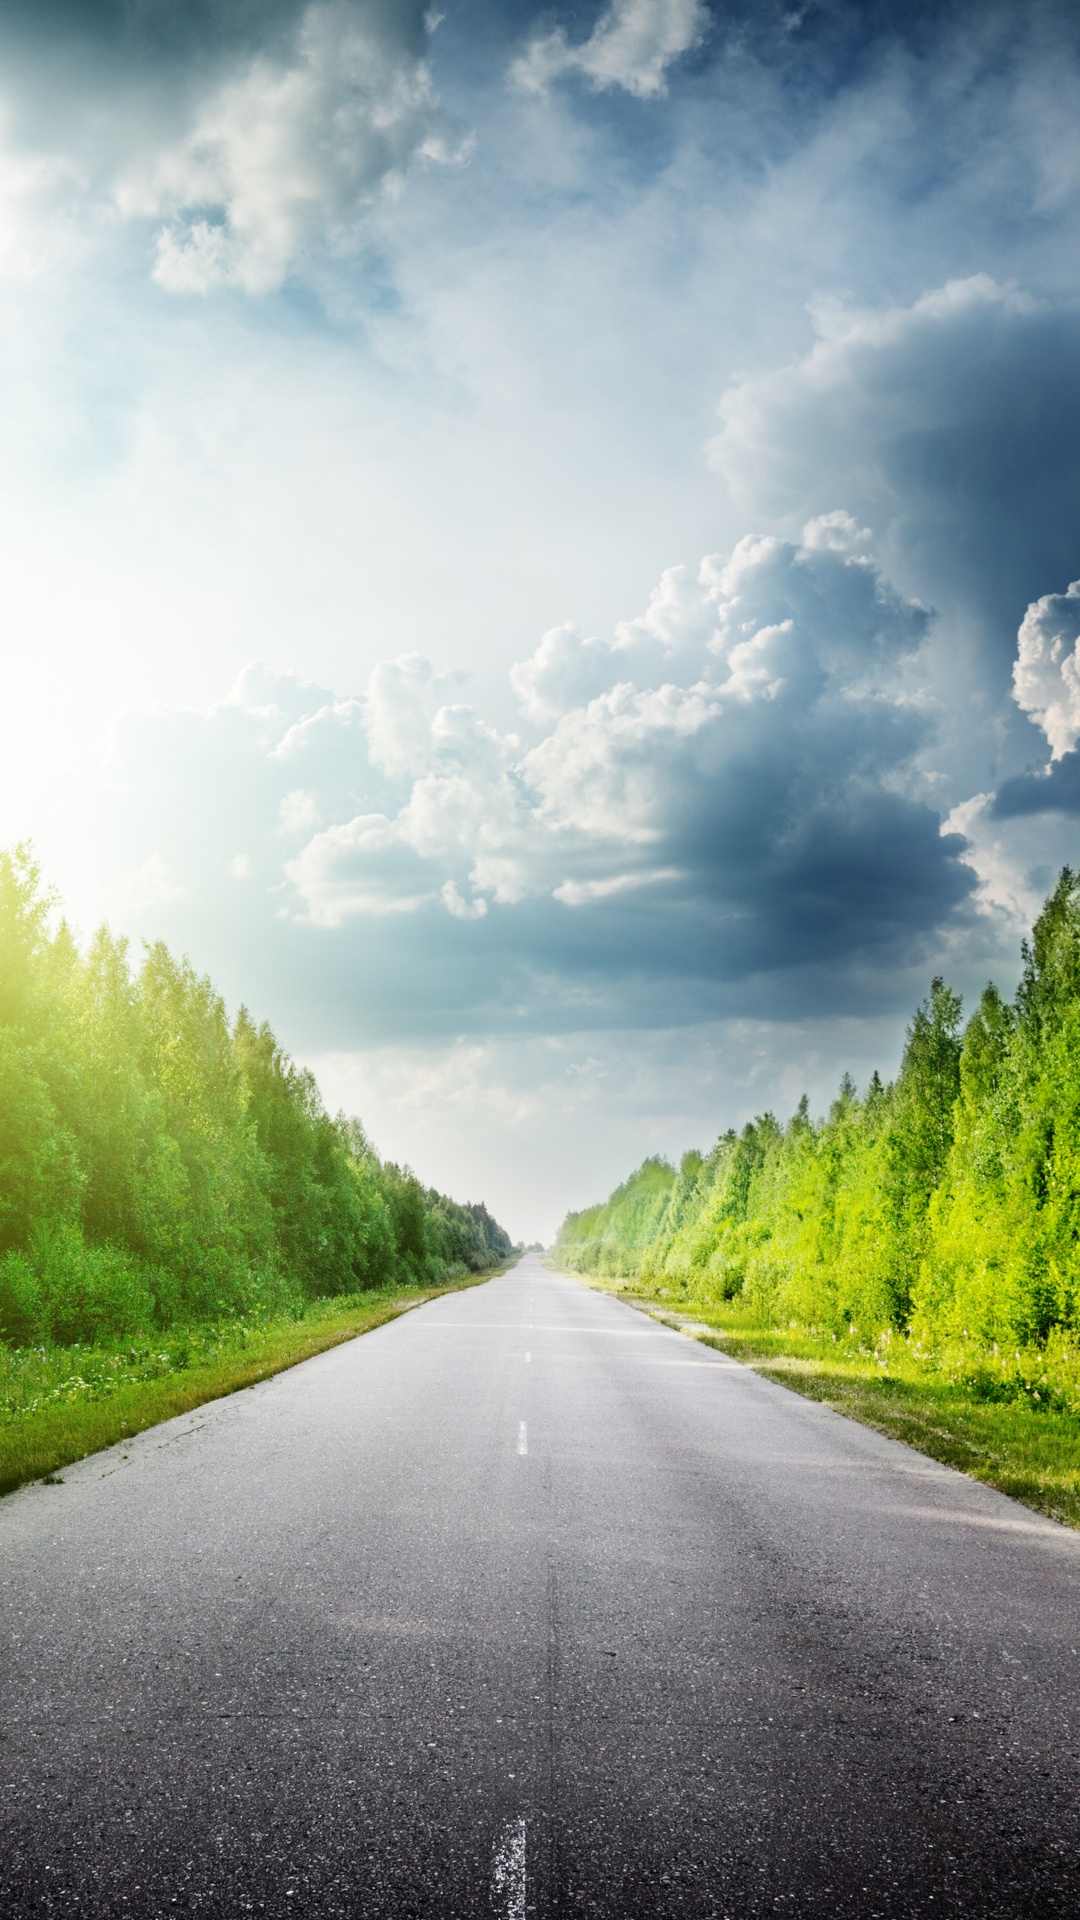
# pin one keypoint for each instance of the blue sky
(536, 544)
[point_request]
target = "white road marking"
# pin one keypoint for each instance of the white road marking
(508, 1871)
(523, 1437)
(528, 1356)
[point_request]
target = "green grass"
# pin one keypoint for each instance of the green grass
(57, 1404)
(1012, 1421)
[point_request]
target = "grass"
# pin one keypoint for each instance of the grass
(58, 1404)
(1012, 1421)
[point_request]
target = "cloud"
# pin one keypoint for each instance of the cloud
(577, 893)
(1046, 685)
(407, 715)
(771, 744)
(298, 812)
(285, 152)
(566, 669)
(1052, 789)
(1018, 837)
(364, 866)
(725, 792)
(631, 46)
(1046, 676)
(32, 188)
(953, 426)
(246, 138)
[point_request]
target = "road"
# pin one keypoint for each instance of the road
(525, 1605)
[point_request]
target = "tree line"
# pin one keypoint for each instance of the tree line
(160, 1163)
(945, 1205)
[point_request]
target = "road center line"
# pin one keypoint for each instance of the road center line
(508, 1872)
(523, 1437)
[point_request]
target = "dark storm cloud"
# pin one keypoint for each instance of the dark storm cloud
(1056, 789)
(952, 426)
(131, 31)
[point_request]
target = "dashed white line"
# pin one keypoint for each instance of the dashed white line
(523, 1437)
(508, 1872)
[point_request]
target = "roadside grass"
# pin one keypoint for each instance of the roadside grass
(58, 1404)
(1011, 1421)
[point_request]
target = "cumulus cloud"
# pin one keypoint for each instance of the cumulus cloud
(298, 812)
(32, 188)
(951, 423)
(712, 728)
(632, 45)
(1046, 676)
(1019, 835)
(1014, 871)
(285, 151)
(566, 669)
(1046, 686)
(245, 138)
(1052, 789)
(726, 789)
(856, 384)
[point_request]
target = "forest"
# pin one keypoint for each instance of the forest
(162, 1165)
(943, 1207)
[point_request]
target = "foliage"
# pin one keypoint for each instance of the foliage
(162, 1166)
(944, 1207)
(1011, 1420)
(613, 1237)
(59, 1403)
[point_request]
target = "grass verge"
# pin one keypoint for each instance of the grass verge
(58, 1405)
(1027, 1445)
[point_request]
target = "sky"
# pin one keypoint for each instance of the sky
(540, 546)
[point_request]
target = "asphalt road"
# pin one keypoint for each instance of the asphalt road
(525, 1605)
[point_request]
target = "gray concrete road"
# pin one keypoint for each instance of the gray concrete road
(524, 1605)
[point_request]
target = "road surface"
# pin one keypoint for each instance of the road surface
(525, 1605)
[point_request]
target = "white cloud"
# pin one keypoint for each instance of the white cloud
(404, 697)
(578, 893)
(1016, 860)
(632, 46)
(32, 189)
(872, 373)
(460, 908)
(1005, 887)
(364, 866)
(752, 709)
(566, 669)
(298, 812)
(735, 790)
(836, 532)
(286, 152)
(1046, 676)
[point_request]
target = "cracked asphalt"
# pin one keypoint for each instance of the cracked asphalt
(524, 1604)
